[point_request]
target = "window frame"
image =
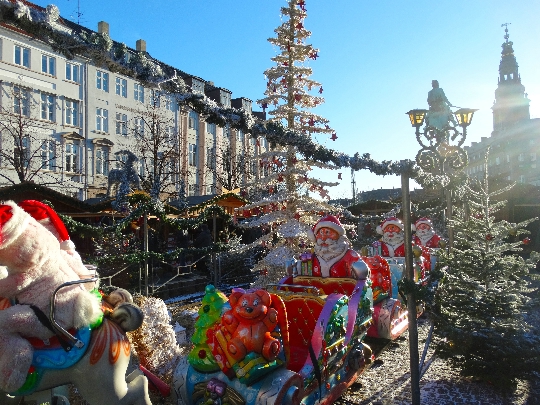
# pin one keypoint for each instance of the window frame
(71, 157)
(47, 104)
(138, 92)
(48, 63)
(21, 53)
(48, 155)
(74, 70)
(192, 155)
(121, 87)
(102, 120)
(121, 124)
(101, 160)
(21, 94)
(102, 80)
(72, 111)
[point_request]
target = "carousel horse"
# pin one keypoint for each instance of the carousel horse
(98, 368)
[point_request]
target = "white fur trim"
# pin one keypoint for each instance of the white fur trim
(421, 221)
(15, 226)
(67, 245)
(329, 224)
(379, 230)
(387, 222)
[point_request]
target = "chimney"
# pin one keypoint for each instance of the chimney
(103, 27)
(140, 45)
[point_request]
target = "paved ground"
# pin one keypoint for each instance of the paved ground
(387, 382)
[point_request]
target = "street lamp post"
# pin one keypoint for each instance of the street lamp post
(441, 154)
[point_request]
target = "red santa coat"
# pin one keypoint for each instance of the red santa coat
(341, 268)
(398, 251)
(433, 242)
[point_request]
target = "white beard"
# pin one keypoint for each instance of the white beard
(425, 235)
(331, 254)
(395, 240)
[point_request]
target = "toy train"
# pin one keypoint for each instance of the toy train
(297, 342)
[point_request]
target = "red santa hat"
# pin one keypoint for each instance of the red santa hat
(389, 221)
(328, 221)
(422, 220)
(47, 217)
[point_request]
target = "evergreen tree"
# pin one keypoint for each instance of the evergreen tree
(201, 357)
(286, 211)
(481, 297)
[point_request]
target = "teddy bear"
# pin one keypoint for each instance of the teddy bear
(32, 266)
(250, 322)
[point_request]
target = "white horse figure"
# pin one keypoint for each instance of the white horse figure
(100, 374)
(127, 173)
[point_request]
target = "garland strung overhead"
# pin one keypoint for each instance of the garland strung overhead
(98, 47)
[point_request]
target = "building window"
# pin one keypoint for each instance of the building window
(72, 112)
(533, 156)
(48, 154)
(156, 98)
(521, 157)
(48, 65)
(21, 152)
(121, 87)
(22, 56)
(240, 136)
(169, 103)
(72, 72)
(210, 158)
(497, 160)
(102, 80)
(209, 189)
(21, 101)
(192, 154)
(191, 190)
(226, 131)
(102, 120)
(121, 124)
(170, 135)
(47, 107)
(102, 161)
(71, 158)
(211, 129)
(139, 127)
(193, 120)
(138, 93)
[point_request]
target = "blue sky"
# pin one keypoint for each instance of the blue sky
(377, 58)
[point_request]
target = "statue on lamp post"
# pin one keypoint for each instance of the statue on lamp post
(439, 114)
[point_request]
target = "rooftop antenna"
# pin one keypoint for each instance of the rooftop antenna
(78, 13)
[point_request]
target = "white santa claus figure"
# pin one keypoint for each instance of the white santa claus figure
(333, 256)
(425, 234)
(393, 240)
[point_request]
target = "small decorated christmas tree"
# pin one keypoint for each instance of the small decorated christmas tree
(201, 357)
(481, 297)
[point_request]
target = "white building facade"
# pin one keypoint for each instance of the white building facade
(79, 119)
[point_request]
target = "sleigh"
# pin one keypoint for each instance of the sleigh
(321, 325)
(390, 316)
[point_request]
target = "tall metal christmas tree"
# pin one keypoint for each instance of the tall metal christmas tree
(481, 297)
(287, 211)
